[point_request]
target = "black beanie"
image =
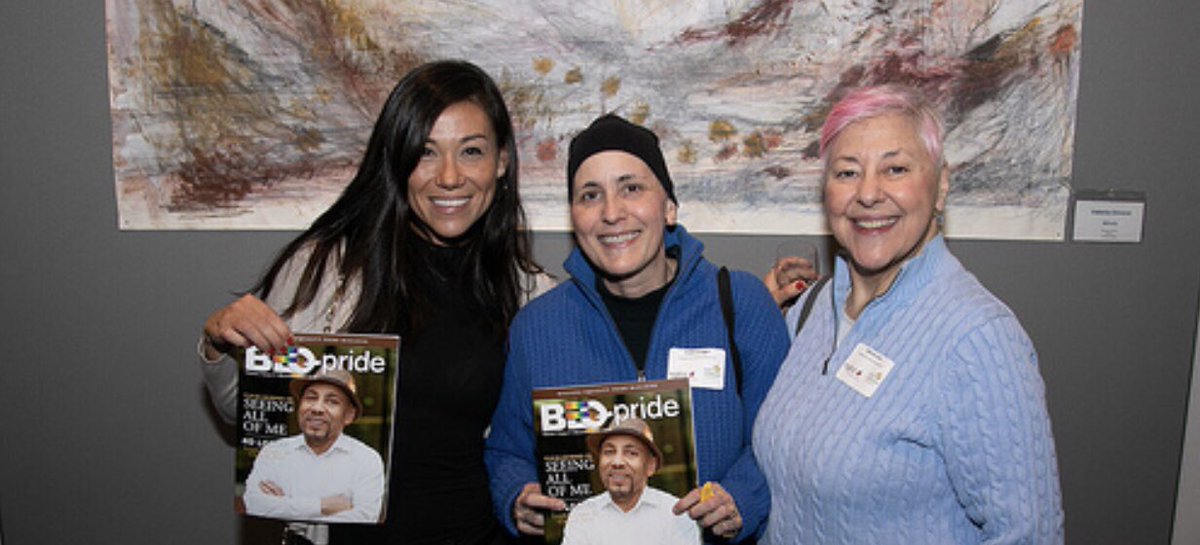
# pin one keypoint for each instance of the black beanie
(611, 132)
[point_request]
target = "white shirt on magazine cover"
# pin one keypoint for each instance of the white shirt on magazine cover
(599, 521)
(349, 468)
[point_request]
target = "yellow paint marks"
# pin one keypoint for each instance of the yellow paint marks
(573, 76)
(308, 139)
(324, 94)
(639, 113)
(687, 153)
(345, 22)
(610, 86)
(754, 146)
(302, 110)
(526, 102)
(543, 65)
(721, 130)
(199, 56)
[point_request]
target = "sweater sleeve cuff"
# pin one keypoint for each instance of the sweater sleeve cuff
(221, 380)
(506, 517)
(753, 508)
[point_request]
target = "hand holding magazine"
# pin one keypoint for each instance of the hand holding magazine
(620, 456)
(314, 429)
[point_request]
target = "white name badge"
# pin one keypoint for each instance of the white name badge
(865, 370)
(703, 367)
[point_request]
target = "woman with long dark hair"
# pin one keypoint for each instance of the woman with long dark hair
(425, 242)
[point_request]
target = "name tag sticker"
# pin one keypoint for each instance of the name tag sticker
(864, 370)
(703, 367)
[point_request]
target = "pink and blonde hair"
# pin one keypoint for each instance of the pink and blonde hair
(867, 102)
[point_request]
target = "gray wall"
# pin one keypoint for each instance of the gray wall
(1187, 524)
(107, 436)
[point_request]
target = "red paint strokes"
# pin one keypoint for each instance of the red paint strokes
(212, 178)
(907, 66)
(219, 177)
(1062, 43)
(778, 172)
(772, 138)
(547, 150)
(760, 142)
(989, 69)
(762, 19)
(727, 152)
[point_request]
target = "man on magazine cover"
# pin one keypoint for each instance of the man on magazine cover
(629, 511)
(320, 474)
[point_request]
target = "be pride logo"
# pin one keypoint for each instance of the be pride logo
(299, 360)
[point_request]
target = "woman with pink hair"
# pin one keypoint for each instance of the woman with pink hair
(910, 408)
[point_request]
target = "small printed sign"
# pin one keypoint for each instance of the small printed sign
(1109, 217)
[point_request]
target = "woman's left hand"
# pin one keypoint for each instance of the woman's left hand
(788, 278)
(718, 513)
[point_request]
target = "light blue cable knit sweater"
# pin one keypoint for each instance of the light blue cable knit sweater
(954, 446)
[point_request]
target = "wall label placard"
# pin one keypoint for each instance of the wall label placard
(1108, 216)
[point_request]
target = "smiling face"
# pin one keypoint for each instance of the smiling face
(324, 411)
(455, 179)
(625, 467)
(620, 212)
(882, 194)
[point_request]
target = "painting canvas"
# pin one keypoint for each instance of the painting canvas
(253, 114)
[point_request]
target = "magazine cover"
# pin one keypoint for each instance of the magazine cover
(314, 429)
(610, 448)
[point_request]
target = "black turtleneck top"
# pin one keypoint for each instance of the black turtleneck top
(450, 374)
(635, 319)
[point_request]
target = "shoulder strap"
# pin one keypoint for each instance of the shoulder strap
(726, 296)
(808, 303)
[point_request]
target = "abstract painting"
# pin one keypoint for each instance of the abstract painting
(253, 114)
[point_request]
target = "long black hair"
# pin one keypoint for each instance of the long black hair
(373, 224)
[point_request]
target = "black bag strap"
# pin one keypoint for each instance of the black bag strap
(808, 303)
(726, 296)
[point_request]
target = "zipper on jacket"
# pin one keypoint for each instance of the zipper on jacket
(837, 312)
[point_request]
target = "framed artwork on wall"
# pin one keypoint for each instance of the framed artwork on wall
(253, 114)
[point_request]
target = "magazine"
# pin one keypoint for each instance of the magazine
(584, 432)
(314, 429)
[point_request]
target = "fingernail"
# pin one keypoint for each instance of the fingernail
(801, 285)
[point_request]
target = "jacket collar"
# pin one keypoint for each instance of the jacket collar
(688, 249)
(915, 274)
